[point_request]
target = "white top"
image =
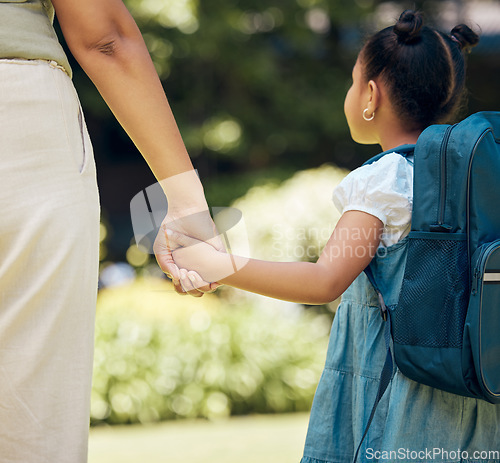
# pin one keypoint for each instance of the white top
(383, 189)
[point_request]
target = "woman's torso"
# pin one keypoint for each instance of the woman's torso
(26, 32)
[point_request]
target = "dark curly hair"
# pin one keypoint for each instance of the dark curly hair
(423, 68)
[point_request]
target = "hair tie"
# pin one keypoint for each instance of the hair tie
(455, 40)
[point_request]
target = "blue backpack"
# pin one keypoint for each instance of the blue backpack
(445, 328)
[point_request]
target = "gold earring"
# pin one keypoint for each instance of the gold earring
(368, 119)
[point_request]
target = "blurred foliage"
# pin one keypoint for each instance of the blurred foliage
(159, 356)
(223, 189)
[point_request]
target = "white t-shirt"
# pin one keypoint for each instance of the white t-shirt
(383, 189)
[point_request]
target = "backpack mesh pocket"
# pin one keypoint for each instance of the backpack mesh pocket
(435, 292)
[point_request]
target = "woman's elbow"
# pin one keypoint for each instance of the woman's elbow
(106, 35)
(107, 46)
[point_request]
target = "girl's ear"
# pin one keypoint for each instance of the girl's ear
(373, 97)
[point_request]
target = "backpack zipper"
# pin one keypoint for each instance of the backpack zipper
(477, 277)
(441, 226)
(478, 269)
(467, 204)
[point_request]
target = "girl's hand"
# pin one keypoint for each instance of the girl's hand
(182, 284)
(199, 256)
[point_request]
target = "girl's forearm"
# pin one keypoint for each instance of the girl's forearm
(348, 251)
(301, 282)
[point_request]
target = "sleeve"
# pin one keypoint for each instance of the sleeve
(383, 189)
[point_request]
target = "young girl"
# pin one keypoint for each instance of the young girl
(406, 78)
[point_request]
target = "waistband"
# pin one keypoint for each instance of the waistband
(20, 61)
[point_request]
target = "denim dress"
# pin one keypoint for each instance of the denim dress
(413, 422)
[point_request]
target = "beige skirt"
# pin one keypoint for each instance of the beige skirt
(49, 227)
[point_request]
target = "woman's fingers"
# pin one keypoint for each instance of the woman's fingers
(178, 288)
(188, 285)
(213, 287)
(164, 256)
(198, 282)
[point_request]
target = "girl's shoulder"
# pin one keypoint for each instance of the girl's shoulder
(383, 188)
(391, 172)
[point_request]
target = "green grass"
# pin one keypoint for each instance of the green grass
(248, 439)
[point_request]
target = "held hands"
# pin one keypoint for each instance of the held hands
(200, 224)
(193, 253)
(204, 261)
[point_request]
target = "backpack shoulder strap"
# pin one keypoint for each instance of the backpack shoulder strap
(403, 150)
(388, 368)
(385, 379)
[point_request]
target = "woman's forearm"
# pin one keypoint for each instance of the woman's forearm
(127, 80)
(108, 45)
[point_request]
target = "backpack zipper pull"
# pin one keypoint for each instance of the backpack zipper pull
(475, 280)
(383, 308)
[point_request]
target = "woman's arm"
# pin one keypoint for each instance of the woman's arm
(105, 40)
(348, 251)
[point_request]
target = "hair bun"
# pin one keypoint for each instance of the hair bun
(464, 36)
(408, 26)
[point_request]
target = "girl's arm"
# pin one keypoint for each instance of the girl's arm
(349, 250)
